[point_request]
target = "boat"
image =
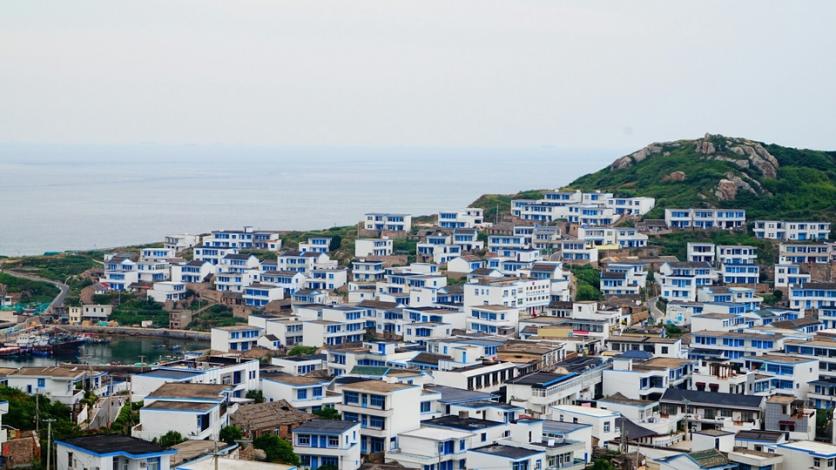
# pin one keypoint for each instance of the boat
(6, 351)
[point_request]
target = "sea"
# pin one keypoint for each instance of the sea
(76, 197)
(126, 350)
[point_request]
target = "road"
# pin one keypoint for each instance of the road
(58, 301)
(655, 313)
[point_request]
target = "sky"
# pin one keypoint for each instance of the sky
(447, 73)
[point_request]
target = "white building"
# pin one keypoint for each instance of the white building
(194, 271)
(791, 231)
(807, 454)
(303, 392)
(505, 457)
(705, 219)
(787, 275)
(383, 409)
(234, 338)
(111, 451)
(805, 253)
(387, 222)
(196, 411)
(240, 375)
(681, 280)
(328, 442)
(168, 291)
(603, 421)
(261, 294)
(365, 247)
(701, 253)
(89, 312)
(182, 241)
(316, 245)
(61, 384)
(471, 217)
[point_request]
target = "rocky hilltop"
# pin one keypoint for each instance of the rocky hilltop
(766, 179)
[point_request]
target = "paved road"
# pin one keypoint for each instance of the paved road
(655, 313)
(58, 301)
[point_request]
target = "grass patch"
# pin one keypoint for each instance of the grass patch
(31, 292)
(214, 317)
(132, 311)
(588, 282)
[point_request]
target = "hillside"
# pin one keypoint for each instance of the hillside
(769, 181)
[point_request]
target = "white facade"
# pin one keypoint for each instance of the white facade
(705, 219)
(387, 222)
(791, 231)
(601, 420)
(234, 338)
(168, 291)
(364, 247)
(328, 442)
(122, 452)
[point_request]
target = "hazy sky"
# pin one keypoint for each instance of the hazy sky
(509, 73)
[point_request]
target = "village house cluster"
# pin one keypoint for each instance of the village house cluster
(480, 345)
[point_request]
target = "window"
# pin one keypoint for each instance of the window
(425, 407)
(302, 394)
(606, 426)
(484, 437)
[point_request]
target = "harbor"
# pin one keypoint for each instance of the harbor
(41, 349)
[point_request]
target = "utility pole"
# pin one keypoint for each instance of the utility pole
(215, 454)
(37, 414)
(49, 422)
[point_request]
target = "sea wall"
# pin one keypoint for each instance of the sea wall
(134, 331)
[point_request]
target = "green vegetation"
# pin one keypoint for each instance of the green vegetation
(57, 267)
(169, 439)
(675, 244)
(342, 240)
(64, 267)
(672, 331)
(22, 414)
(494, 204)
(131, 310)
(277, 449)
(404, 246)
(35, 292)
(128, 417)
(256, 395)
(301, 350)
(804, 188)
(587, 280)
(230, 434)
(773, 297)
(602, 464)
(213, 317)
(327, 413)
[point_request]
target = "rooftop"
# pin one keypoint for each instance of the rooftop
(188, 390)
(508, 452)
(115, 444)
(325, 426)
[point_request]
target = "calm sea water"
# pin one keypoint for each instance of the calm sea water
(80, 197)
(122, 349)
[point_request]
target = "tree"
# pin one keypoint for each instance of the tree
(602, 464)
(171, 438)
(277, 449)
(256, 395)
(301, 350)
(230, 434)
(327, 413)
